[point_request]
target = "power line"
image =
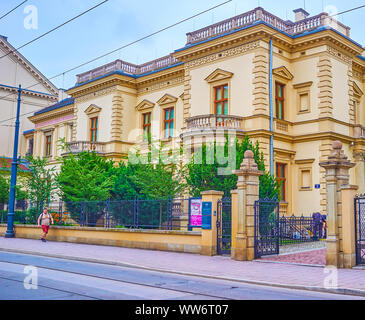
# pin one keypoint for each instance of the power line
(6, 14)
(123, 47)
(104, 55)
(54, 29)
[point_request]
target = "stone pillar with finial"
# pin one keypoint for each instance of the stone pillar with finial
(337, 175)
(243, 209)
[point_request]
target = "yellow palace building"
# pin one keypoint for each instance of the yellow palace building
(221, 79)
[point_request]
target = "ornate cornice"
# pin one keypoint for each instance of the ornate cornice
(52, 114)
(15, 55)
(95, 94)
(339, 55)
(28, 93)
(223, 54)
(150, 87)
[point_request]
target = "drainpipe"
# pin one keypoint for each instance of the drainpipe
(271, 109)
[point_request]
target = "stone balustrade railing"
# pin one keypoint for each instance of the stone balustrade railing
(86, 146)
(130, 68)
(259, 14)
(213, 121)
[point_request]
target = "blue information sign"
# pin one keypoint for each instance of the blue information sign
(207, 216)
(317, 186)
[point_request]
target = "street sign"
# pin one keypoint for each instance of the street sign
(207, 216)
(317, 186)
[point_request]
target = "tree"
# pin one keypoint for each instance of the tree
(85, 177)
(85, 181)
(153, 182)
(41, 185)
(205, 175)
(4, 189)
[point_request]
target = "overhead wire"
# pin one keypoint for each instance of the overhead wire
(154, 33)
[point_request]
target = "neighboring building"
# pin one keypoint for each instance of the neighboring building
(38, 93)
(220, 79)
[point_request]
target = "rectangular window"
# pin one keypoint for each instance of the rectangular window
(281, 176)
(306, 179)
(146, 125)
(30, 147)
(221, 100)
(169, 115)
(48, 146)
(279, 99)
(304, 99)
(94, 129)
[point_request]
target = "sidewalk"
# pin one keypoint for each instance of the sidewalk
(273, 274)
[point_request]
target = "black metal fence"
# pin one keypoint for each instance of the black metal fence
(301, 229)
(162, 214)
(224, 226)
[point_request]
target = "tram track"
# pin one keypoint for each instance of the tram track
(136, 283)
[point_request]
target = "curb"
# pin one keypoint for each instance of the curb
(342, 291)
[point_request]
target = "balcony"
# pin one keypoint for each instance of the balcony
(86, 146)
(205, 124)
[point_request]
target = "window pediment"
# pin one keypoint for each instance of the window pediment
(283, 72)
(303, 85)
(218, 75)
(357, 91)
(145, 105)
(92, 109)
(167, 99)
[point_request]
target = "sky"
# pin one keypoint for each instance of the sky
(119, 22)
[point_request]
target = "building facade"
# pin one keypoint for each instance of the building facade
(220, 80)
(38, 93)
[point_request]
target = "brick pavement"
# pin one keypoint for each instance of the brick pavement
(287, 275)
(313, 257)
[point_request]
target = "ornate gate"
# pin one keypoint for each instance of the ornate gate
(360, 228)
(266, 227)
(224, 224)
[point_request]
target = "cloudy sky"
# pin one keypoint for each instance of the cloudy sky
(119, 22)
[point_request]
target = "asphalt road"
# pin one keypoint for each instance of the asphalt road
(59, 279)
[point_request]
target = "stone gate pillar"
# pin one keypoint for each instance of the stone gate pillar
(243, 209)
(337, 174)
(209, 237)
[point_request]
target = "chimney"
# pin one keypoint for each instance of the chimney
(300, 14)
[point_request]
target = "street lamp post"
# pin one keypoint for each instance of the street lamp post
(14, 166)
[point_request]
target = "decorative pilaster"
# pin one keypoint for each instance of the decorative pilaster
(352, 111)
(337, 174)
(324, 151)
(359, 158)
(325, 86)
(243, 209)
(74, 122)
(260, 83)
(117, 116)
(187, 95)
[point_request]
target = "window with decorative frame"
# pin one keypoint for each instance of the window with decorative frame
(48, 145)
(280, 100)
(282, 179)
(169, 118)
(146, 124)
(221, 100)
(305, 176)
(94, 122)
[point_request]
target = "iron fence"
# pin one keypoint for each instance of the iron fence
(301, 229)
(161, 214)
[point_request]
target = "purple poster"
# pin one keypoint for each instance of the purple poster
(195, 212)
